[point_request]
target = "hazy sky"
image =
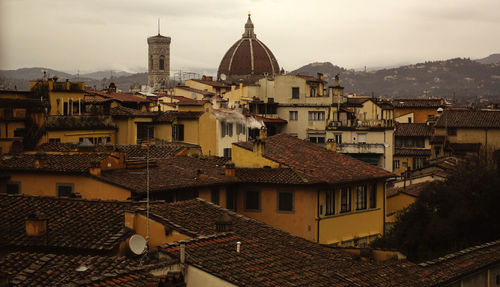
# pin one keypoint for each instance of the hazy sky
(89, 35)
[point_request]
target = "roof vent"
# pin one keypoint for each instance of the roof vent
(36, 225)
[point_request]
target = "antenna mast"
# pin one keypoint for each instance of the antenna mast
(158, 26)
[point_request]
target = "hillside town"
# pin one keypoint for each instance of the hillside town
(251, 177)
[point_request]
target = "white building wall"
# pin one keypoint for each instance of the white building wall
(198, 278)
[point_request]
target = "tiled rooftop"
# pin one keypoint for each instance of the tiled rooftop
(121, 111)
(163, 150)
(413, 130)
(410, 189)
(55, 123)
(271, 257)
(76, 224)
(171, 116)
(121, 97)
(469, 119)
(417, 103)
(412, 152)
(61, 163)
(316, 161)
(43, 269)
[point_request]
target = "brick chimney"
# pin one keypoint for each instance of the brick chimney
(35, 225)
(223, 223)
(230, 169)
(331, 145)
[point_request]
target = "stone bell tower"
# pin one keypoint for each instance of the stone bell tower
(158, 61)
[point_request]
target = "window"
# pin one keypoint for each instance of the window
(13, 187)
(345, 199)
(145, 131)
(373, 196)
(409, 120)
(240, 129)
(312, 92)
(64, 189)
(295, 92)
(420, 142)
(226, 129)
(395, 163)
(285, 201)
(252, 200)
(361, 197)
(338, 138)
(452, 131)
(317, 139)
(54, 140)
(227, 152)
(418, 162)
(214, 196)
(362, 138)
(330, 202)
(162, 63)
(19, 132)
(178, 132)
(294, 115)
(65, 108)
(316, 116)
(231, 199)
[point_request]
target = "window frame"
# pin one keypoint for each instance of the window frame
(347, 205)
(215, 196)
(337, 137)
(228, 152)
(373, 196)
(12, 183)
(295, 93)
(231, 199)
(361, 197)
(259, 203)
(293, 115)
(278, 201)
(395, 164)
(330, 202)
(65, 184)
(316, 116)
(178, 132)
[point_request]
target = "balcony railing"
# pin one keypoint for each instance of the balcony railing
(360, 148)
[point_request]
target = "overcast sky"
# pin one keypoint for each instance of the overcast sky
(90, 35)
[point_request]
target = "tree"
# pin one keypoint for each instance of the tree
(448, 216)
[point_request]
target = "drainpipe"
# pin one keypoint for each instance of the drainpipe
(383, 227)
(317, 208)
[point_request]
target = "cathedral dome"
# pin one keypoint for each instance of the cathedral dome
(248, 59)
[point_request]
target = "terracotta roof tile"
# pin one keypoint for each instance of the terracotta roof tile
(411, 152)
(55, 123)
(122, 111)
(44, 269)
(413, 130)
(469, 119)
(413, 189)
(121, 97)
(72, 223)
(316, 161)
(62, 163)
(417, 103)
(171, 116)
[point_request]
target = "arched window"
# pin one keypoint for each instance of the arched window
(162, 62)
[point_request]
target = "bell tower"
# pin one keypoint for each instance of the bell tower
(158, 61)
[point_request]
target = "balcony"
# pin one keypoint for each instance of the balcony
(361, 148)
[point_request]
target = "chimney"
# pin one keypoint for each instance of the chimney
(238, 246)
(200, 174)
(223, 223)
(36, 225)
(331, 145)
(95, 168)
(230, 169)
(321, 77)
(40, 160)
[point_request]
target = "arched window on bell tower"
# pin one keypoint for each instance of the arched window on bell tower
(162, 63)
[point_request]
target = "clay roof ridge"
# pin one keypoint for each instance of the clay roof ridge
(171, 223)
(93, 200)
(459, 253)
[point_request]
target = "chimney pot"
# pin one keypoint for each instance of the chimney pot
(200, 174)
(238, 246)
(183, 253)
(230, 169)
(35, 225)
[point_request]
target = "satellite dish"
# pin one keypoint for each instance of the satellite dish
(137, 244)
(223, 77)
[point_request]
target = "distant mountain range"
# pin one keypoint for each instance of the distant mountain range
(466, 79)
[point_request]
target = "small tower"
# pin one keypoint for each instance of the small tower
(158, 61)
